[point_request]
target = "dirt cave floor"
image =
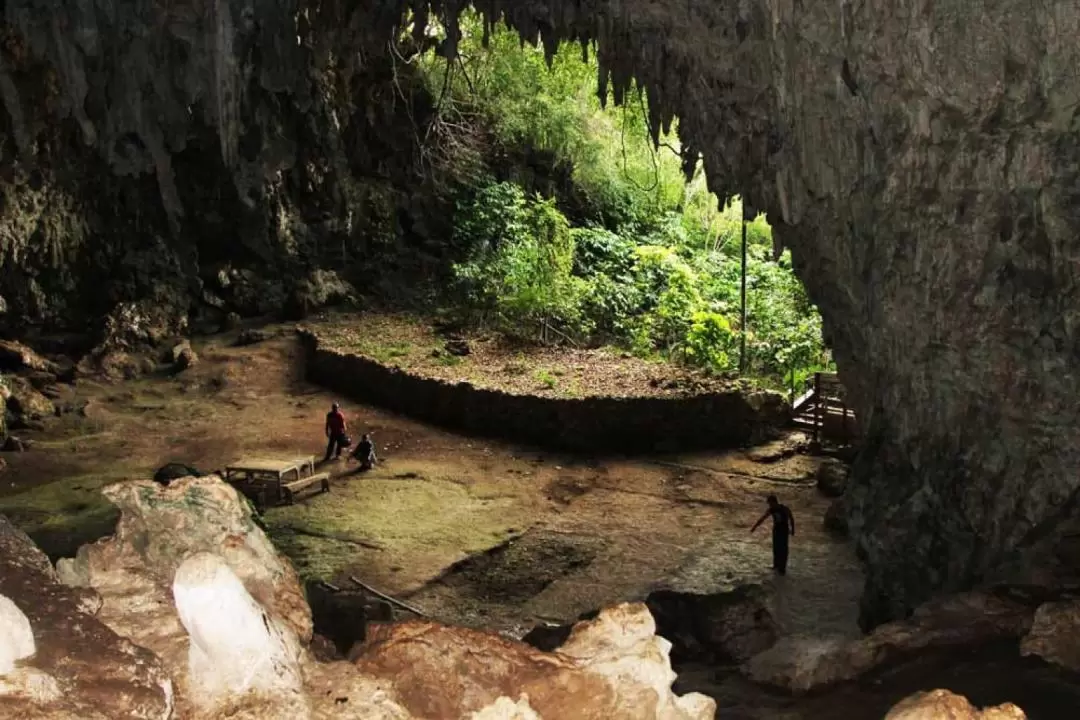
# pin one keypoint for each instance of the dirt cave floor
(472, 531)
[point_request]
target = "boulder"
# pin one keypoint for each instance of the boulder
(235, 648)
(144, 324)
(247, 293)
(26, 405)
(182, 356)
(802, 663)
(174, 471)
(1055, 634)
(715, 629)
(16, 357)
(944, 705)
(16, 637)
(835, 521)
(612, 667)
(832, 477)
(71, 665)
(132, 334)
(232, 320)
(159, 528)
(251, 336)
(321, 288)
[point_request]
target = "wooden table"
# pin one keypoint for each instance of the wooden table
(274, 480)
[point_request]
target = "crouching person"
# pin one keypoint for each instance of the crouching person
(365, 453)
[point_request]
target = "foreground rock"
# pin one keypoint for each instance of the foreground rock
(1055, 634)
(159, 529)
(800, 664)
(234, 647)
(16, 636)
(72, 665)
(611, 667)
(190, 576)
(832, 477)
(944, 705)
(26, 405)
(15, 357)
(716, 629)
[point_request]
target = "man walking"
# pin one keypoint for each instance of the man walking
(335, 432)
(783, 522)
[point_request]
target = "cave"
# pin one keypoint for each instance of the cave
(918, 159)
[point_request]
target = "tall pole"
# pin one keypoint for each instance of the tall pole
(742, 300)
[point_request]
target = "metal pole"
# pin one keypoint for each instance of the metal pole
(742, 300)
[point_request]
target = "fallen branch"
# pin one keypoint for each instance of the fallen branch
(399, 603)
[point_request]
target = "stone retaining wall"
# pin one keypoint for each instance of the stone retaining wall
(596, 424)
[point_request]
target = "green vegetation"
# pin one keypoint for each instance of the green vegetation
(597, 236)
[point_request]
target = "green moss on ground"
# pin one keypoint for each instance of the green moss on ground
(60, 516)
(413, 511)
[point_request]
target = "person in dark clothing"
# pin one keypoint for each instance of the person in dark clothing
(365, 453)
(335, 432)
(783, 525)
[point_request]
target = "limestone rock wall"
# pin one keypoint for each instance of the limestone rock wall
(920, 159)
(205, 155)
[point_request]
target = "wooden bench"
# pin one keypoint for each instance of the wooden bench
(290, 489)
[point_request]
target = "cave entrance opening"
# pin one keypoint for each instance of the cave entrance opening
(583, 223)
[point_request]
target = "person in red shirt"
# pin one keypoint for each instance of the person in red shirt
(335, 432)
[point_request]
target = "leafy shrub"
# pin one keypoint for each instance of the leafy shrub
(520, 270)
(709, 341)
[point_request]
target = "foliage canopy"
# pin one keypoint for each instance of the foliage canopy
(628, 250)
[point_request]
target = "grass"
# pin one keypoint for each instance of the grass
(385, 353)
(407, 515)
(448, 360)
(62, 515)
(547, 379)
(413, 343)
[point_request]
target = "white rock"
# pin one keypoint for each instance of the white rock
(235, 648)
(506, 709)
(30, 684)
(16, 635)
(800, 663)
(621, 645)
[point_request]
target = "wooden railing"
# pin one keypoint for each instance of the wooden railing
(822, 409)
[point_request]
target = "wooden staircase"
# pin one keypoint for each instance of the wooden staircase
(822, 410)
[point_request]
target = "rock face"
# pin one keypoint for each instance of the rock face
(800, 664)
(944, 705)
(832, 478)
(234, 648)
(715, 629)
(159, 529)
(71, 665)
(921, 162)
(611, 667)
(26, 405)
(1055, 634)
